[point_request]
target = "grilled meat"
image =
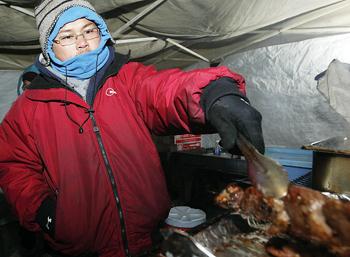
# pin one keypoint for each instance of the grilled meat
(337, 215)
(255, 204)
(230, 197)
(286, 247)
(303, 213)
(304, 207)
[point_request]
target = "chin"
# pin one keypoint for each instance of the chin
(80, 53)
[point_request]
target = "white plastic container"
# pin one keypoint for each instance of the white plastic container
(185, 217)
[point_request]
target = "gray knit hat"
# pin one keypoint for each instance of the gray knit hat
(47, 13)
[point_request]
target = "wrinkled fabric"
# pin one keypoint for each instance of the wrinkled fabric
(334, 85)
(47, 156)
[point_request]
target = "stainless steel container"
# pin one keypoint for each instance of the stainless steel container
(331, 164)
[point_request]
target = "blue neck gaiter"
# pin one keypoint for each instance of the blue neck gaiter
(85, 65)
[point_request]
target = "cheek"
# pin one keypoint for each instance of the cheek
(94, 44)
(63, 53)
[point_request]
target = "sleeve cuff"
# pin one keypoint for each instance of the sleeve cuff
(46, 216)
(217, 89)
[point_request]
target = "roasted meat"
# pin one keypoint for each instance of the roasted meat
(255, 204)
(303, 213)
(336, 211)
(304, 207)
(250, 202)
(337, 215)
(286, 247)
(230, 197)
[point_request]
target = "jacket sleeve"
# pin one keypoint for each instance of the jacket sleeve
(21, 177)
(169, 100)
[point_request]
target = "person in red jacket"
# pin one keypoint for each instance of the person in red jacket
(77, 160)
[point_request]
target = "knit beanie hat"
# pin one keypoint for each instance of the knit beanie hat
(47, 14)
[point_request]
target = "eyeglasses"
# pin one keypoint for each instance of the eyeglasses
(70, 39)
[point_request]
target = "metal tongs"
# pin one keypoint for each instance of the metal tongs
(266, 174)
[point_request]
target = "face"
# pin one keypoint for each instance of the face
(81, 45)
(26, 84)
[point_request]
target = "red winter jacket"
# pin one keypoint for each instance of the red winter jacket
(108, 179)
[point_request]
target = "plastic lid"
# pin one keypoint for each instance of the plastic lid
(185, 217)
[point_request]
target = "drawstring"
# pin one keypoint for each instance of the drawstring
(89, 111)
(65, 106)
(81, 130)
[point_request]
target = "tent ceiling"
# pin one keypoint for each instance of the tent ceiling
(211, 28)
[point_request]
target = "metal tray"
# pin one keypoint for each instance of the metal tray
(335, 145)
(331, 162)
(230, 236)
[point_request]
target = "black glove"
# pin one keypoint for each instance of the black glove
(46, 215)
(229, 112)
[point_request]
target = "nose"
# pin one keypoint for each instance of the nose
(81, 42)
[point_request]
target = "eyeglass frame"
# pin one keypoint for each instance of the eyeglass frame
(58, 41)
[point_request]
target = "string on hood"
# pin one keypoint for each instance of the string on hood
(88, 111)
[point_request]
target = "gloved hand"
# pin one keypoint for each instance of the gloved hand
(46, 215)
(229, 112)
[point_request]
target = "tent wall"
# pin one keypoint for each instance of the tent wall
(281, 85)
(8, 90)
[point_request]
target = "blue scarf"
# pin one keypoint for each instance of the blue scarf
(85, 65)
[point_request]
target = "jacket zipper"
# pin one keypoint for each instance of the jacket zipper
(113, 184)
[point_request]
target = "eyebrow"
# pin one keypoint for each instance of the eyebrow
(69, 30)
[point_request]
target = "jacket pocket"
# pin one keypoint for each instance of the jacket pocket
(70, 225)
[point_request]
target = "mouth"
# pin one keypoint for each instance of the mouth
(82, 52)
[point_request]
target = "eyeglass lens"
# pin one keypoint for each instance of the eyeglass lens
(87, 34)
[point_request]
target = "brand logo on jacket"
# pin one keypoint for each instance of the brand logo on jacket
(48, 223)
(110, 92)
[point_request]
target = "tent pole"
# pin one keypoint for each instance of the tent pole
(135, 40)
(145, 12)
(136, 18)
(307, 30)
(171, 41)
(17, 8)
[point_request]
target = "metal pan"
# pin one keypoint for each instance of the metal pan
(331, 164)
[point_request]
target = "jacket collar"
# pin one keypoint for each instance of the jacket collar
(43, 86)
